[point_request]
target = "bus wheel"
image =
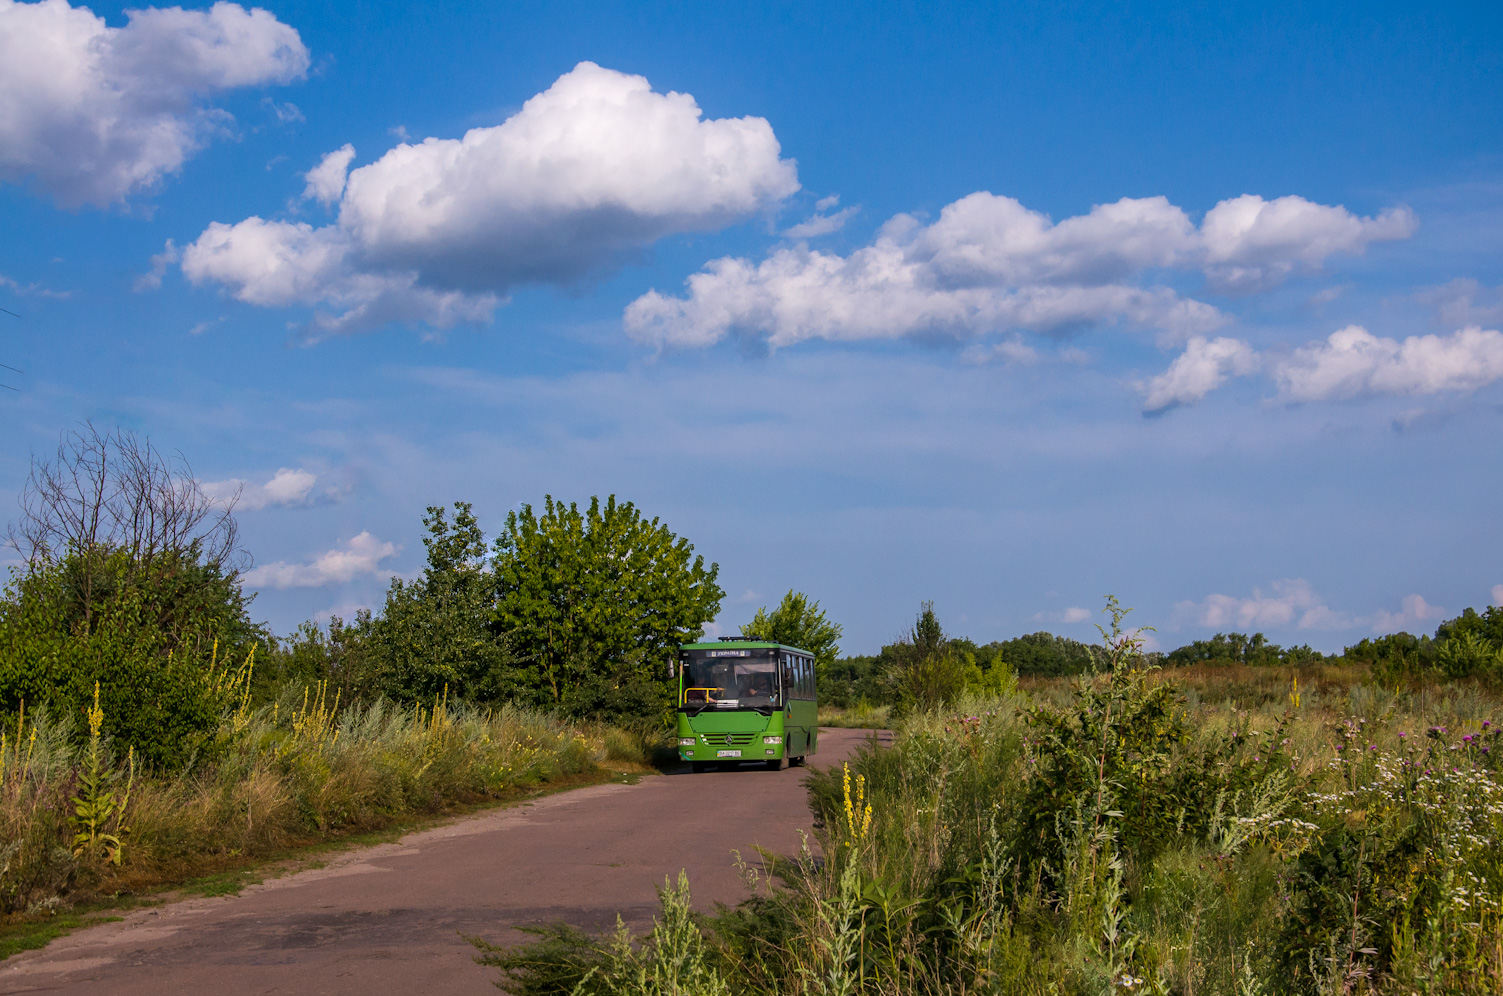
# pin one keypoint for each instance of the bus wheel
(699, 766)
(775, 764)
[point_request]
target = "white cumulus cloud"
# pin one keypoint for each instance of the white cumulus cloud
(1464, 302)
(1354, 363)
(286, 487)
(990, 264)
(1251, 243)
(1200, 369)
(93, 113)
(1292, 602)
(593, 169)
(326, 180)
(1414, 612)
(361, 555)
(1498, 594)
(1073, 614)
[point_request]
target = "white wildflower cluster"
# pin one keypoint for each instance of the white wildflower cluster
(1286, 836)
(1461, 806)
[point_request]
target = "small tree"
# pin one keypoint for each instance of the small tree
(797, 622)
(435, 632)
(595, 602)
(926, 673)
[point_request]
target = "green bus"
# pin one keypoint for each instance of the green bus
(745, 700)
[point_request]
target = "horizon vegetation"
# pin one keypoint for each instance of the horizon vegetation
(150, 730)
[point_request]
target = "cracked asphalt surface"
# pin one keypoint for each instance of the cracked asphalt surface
(389, 918)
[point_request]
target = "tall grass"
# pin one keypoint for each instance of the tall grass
(82, 820)
(1201, 831)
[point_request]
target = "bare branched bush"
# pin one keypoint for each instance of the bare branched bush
(113, 491)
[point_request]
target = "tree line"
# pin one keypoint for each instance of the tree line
(132, 574)
(132, 584)
(1468, 646)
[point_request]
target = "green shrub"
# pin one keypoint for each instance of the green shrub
(148, 640)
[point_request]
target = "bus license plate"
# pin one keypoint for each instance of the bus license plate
(727, 753)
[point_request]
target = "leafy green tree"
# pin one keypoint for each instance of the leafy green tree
(1045, 655)
(1486, 625)
(1239, 648)
(456, 550)
(848, 680)
(1468, 653)
(595, 602)
(797, 622)
(435, 633)
(1405, 651)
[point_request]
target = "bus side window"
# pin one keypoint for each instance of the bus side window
(804, 683)
(812, 689)
(787, 676)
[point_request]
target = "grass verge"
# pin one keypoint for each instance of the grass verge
(82, 828)
(861, 716)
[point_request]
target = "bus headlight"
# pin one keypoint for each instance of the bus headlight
(687, 741)
(772, 740)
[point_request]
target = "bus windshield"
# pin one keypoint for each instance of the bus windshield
(735, 683)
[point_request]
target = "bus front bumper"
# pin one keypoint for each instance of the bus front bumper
(762, 748)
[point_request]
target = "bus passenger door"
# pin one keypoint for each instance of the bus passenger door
(793, 733)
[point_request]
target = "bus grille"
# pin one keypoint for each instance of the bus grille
(729, 739)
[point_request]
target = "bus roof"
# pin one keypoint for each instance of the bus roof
(742, 645)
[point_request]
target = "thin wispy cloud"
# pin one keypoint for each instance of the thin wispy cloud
(820, 223)
(1462, 302)
(1070, 616)
(32, 289)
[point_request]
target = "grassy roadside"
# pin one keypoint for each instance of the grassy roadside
(83, 831)
(1272, 831)
(861, 716)
(229, 875)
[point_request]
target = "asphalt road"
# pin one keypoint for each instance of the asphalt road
(388, 918)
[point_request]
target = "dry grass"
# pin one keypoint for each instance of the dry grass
(286, 776)
(861, 716)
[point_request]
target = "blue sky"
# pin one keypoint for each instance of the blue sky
(1005, 308)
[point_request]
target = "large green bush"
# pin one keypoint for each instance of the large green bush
(155, 638)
